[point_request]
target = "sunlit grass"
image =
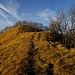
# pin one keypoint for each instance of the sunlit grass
(18, 50)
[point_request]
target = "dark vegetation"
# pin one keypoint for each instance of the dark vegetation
(64, 28)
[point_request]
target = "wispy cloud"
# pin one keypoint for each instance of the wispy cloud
(8, 12)
(25, 14)
(5, 17)
(42, 16)
(46, 14)
(3, 24)
(11, 7)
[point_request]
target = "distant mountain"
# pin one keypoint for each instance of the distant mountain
(27, 50)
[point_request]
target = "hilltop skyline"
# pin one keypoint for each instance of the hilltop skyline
(40, 11)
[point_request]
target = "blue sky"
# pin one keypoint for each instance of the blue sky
(12, 11)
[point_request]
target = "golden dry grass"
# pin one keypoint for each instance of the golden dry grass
(26, 53)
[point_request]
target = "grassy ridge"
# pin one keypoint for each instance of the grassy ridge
(26, 53)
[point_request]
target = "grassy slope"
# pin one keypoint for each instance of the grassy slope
(26, 53)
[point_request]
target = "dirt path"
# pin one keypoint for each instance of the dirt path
(31, 61)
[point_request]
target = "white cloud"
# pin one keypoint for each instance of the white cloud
(8, 11)
(3, 24)
(3, 14)
(11, 7)
(9, 22)
(5, 17)
(25, 14)
(46, 14)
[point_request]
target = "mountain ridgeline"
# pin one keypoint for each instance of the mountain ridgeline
(27, 49)
(60, 32)
(27, 24)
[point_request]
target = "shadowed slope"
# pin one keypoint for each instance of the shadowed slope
(26, 53)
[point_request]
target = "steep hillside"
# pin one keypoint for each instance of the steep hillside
(29, 52)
